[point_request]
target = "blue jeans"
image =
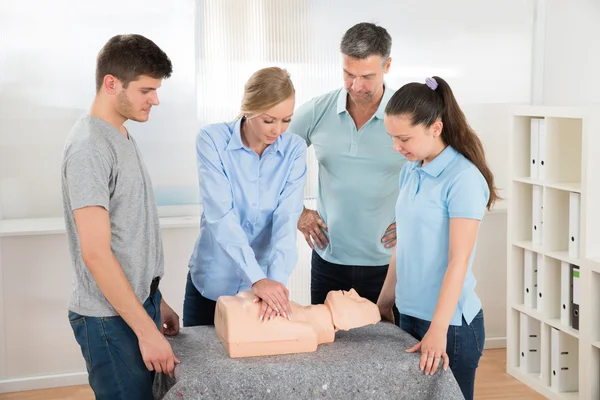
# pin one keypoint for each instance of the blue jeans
(197, 309)
(464, 347)
(116, 370)
(366, 280)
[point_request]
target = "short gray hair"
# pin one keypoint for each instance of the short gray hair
(366, 39)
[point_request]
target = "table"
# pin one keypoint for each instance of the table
(364, 363)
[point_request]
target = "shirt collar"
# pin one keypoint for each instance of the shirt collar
(438, 164)
(235, 143)
(387, 95)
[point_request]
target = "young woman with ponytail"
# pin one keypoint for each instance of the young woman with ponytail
(445, 189)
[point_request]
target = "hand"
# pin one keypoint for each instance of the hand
(268, 312)
(433, 349)
(169, 320)
(389, 238)
(312, 226)
(157, 353)
(274, 295)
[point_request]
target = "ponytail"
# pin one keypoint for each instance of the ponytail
(434, 100)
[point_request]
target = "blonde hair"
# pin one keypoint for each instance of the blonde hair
(266, 88)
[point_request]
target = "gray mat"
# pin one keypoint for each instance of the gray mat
(364, 363)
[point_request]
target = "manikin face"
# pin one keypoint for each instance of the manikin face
(363, 78)
(269, 125)
(415, 142)
(135, 101)
(349, 310)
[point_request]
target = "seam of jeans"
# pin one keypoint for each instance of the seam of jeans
(112, 359)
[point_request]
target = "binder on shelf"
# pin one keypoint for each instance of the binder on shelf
(565, 293)
(534, 147)
(542, 150)
(564, 360)
(529, 344)
(540, 282)
(575, 296)
(574, 224)
(530, 279)
(537, 216)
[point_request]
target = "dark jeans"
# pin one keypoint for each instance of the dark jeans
(366, 280)
(464, 347)
(197, 309)
(116, 370)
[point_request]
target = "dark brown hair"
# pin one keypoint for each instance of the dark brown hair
(127, 57)
(426, 104)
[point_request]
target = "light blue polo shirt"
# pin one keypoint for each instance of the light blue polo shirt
(448, 187)
(358, 177)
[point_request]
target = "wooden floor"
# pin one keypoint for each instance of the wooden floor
(492, 383)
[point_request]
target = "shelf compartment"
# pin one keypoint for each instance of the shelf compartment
(563, 150)
(556, 220)
(521, 212)
(564, 362)
(529, 344)
(521, 147)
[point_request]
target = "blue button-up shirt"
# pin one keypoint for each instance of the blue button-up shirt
(251, 207)
(450, 186)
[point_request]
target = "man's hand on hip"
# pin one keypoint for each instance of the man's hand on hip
(312, 226)
(389, 238)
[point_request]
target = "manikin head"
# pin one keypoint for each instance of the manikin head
(129, 71)
(268, 105)
(366, 51)
(350, 311)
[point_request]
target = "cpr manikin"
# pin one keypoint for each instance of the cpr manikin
(243, 335)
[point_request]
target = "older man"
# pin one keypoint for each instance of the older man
(353, 226)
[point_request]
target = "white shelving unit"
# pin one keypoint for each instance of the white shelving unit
(554, 251)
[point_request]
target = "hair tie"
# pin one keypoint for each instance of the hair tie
(431, 83)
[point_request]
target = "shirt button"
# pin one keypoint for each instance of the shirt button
(253, 204)
(255, 181)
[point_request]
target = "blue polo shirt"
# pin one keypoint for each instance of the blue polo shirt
(358, 177)
(448, 187)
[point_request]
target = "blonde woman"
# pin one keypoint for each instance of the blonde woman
(252, 174)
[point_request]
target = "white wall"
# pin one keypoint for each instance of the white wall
(571, 68)
(47, 53)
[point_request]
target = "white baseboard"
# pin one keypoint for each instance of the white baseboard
(495, 343)
(43, 382)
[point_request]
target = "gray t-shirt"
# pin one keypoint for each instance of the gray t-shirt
(101, 167)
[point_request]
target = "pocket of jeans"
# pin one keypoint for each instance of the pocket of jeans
(477, 326)
(79, 326)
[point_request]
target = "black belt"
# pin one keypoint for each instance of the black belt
(154, 286)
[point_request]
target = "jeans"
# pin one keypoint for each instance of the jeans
(116, 370)
(464, 347)
(366, 280)
(197, 309)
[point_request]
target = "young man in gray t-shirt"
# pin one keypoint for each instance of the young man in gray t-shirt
(116, 310)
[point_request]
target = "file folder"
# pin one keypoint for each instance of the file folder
(575, 296)
(564, 360)
(530, 279)
(529, 344)
(574, 224)
(537, 216)
(541, 272)
(534, 148)
(565, 293)
(542, 150)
